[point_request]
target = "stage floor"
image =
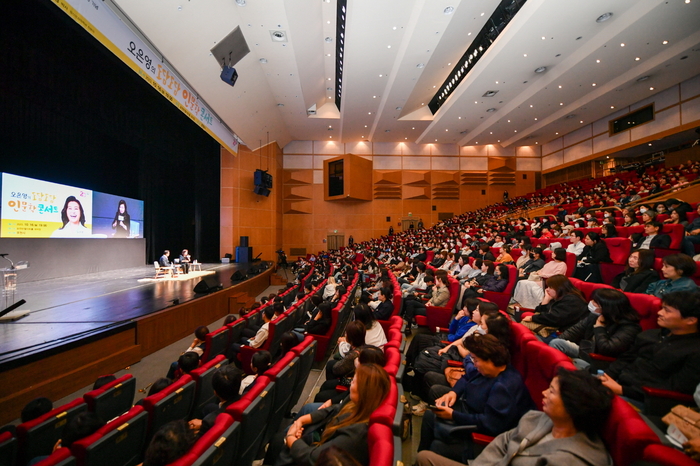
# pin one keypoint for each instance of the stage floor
(74, 308)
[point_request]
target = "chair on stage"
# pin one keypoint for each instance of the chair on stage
(113, 399)
(162, 272)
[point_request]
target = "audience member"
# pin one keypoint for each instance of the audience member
(677, 270)
(652, 239)
(666, 358)
(529, 293)
(169, 443)
(562, 306)
(594, 253)
(226, 383)
(639, 273)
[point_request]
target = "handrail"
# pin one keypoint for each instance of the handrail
(651, 198)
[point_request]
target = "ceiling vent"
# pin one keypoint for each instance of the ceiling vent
(278, 36)
(490, 93)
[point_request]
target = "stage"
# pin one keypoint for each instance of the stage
(86, 325)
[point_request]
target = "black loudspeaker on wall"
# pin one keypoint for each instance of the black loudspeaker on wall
(237, 276)
(207, 285)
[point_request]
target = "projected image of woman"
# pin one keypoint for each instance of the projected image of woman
(122, 221)
(73, 218)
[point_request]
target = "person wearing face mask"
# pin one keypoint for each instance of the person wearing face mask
(562, 306)
(535, 263)
(610, 329)
(470, 288)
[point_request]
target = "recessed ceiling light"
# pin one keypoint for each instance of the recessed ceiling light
(394, 28)
(593, 84)
(597, 61)
(436, 140)
(649, 143)
(365, 126)
(388, 46)
(515, 130)
(535, 119)
(482, 14)
(603, 17)
(543, 37)
(499, 140)
(328, 54)
(541, 69)
(530, 105)
(664, 42)
(330, 137)
(622, 44)
(369, 113)
(490, 93)
(328, 22)
(490, 109)
(374, 96)
(496, 82)
(556, 133)
(329, 79)
(413, 127)
(508, 121)
(612, 106)
(469, 34)
(524, 55)
(381, 75)
(448, 10)
(687, 1)
(446, 129)
(459, 118)
(561, 103)
(280, 105)
(651, 88)
(490, 132)
(559, 87)
(420, 65)
(581, 121)
(263, 60)
(449, 64)
(476, 102)
(406, 138)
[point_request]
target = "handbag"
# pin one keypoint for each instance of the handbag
(453, 374)
(686, 419)
(540, 329)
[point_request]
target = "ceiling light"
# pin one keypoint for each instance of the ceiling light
(524, 55)
(449, 10)
(328, 22)
(543, 37)
(263, 60)
(328, 40)
(459, 118)
(508, 121)
(388, 46)
(280, 105)
(499, 140)
(637, 59)
(556, 133)
(413, 127)
(446, 129)
(664, 42)
(530, 105)
(612, 106)
(369, 113)
(541, 69)
(515, 130)
(469, 34)
(535, 119)
(651, 88)
(420, 65)
(394, 28)
(650, 144)
(643, 78)
(490, 132)
(622, 44)
(490, 93)
(593, 84)
(406, 138)
(603, 17)
(399, 108)
(449, 64)
(496, 82)
(597, 61)
(329, 79)
(381, 75)
(569, 117)
(328, 54)
(365, 126)
(374, 96)
(561, 103)
(179, 8)
(687, 1)
(581, 121)
(490, 109)
(559, 87)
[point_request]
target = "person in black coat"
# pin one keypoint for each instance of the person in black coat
(658, 240)
(640, 273)
(485, 253)
(226, 383)
(610, 328)
(386, 306)
(595, 253)
(535, 263)
(562, 306)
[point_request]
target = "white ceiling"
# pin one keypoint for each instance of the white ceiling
(391, 37)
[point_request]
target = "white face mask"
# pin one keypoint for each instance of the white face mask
(593, 308)
(642, 210)
(523, 252)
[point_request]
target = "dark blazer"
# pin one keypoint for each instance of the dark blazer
(562, 313)
(610, 340)
(662, 240)
(596, 254)
(636, 283)
(384, 310)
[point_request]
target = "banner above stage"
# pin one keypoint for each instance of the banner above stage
(105, 26)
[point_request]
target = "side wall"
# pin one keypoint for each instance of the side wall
(244, 213)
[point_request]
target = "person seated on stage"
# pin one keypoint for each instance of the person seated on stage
(491, 395)
(172, 441)
(566, 431)
(164, 261)
(667, 358)
(185, 260)
(652, 238)
(259, 363)
(186, 363)
(82, 425)
(226, 383)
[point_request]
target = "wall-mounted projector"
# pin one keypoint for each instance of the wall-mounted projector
(229, 75)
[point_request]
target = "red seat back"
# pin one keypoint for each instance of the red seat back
(112, 399)
(381, 445)
(625, 434)
(647, 306)
(542, 364)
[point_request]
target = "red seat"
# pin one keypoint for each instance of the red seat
(113, 399)
(217, 446)
(306, 350)
(381, 445)
(665, 456)
(170, 404)
(587, 288)
(204, 393)
(503, 298)
(625, 434)
(619, 252)
(647, 306)
(440, 316)
(215, 344)
(8, 449)
(386, 412)
(285, 374)
(38, 437)
(61, 457)
(119, 442)
(543, 362)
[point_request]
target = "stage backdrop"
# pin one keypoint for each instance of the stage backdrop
(52, 258)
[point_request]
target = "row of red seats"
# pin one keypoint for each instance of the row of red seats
(237, 435)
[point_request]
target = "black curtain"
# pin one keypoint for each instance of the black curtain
(72, 113)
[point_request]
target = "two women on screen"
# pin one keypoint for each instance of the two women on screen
(73, 218)
(122, 221)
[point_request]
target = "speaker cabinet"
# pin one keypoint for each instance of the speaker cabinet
(207, 285)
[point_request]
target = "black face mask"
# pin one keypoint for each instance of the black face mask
(532, 256)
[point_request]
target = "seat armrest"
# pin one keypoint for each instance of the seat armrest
(481, 439)
(661, 393)
(451, 363)
(600, 357)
